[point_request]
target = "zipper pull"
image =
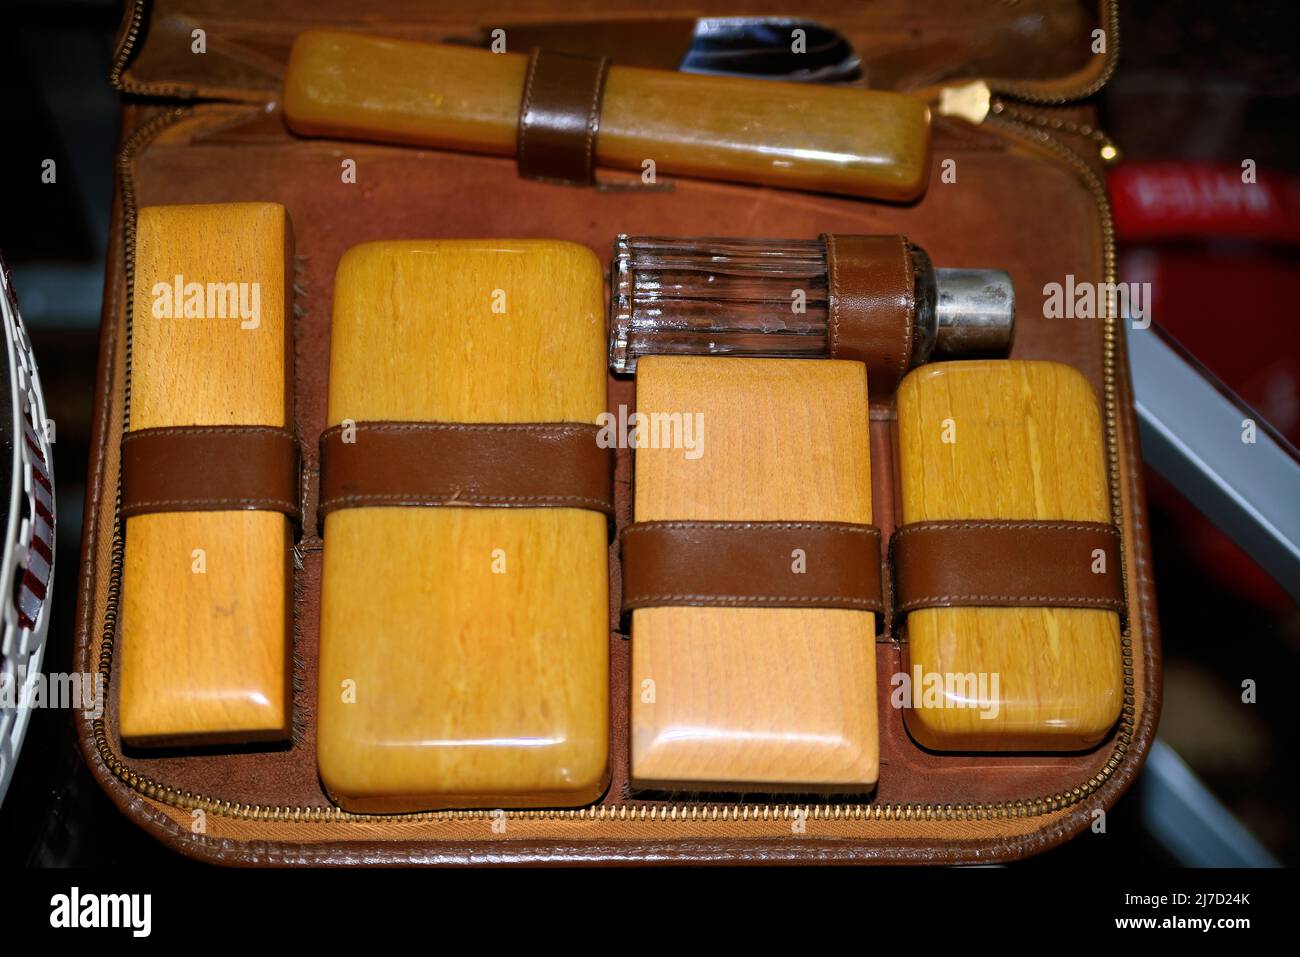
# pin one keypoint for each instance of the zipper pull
(969, 101)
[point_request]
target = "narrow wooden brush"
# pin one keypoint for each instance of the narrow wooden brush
(206, 594)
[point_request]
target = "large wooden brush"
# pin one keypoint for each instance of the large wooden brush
(464, 650)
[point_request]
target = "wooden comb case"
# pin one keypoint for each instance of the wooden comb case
(464, 635)
(209, 483)
(795, 135)
(1006, 570)
(753, 577)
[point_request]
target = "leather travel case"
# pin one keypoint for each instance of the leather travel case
(1028, 197)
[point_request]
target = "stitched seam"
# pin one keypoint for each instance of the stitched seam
(87, 591)
(207, 430)
(451, 499)
(920, 529)
(833, 270)
(155, 503)
(834, 529)
(593, 119)
(752, 599)
(578, 427)
(1023, 599)
(910, 285)
(524, 122)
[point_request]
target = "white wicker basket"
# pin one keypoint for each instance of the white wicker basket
(27, 571)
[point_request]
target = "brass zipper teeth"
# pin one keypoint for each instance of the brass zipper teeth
(1049, 123)
(122, 56)
(1029, 91)
(631, 812)
(124, 49)
(135, 142)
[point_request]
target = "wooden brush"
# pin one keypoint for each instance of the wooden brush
(1008, 440)
(464, 651)
(206, 611)
(755, 699)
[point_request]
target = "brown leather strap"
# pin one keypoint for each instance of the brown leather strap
(1006, 564)
(209, 468)
(559, 116)
(872, 304)
(497, 465)
(759, 564)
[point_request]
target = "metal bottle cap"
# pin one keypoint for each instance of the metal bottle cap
(975, 311)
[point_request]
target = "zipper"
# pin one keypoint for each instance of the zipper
(977, 100)
(122, 56)
(974, 101)
(126, 45)
(1045, 94)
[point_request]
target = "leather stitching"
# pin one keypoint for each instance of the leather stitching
(1068, 600)
(832, 270)
(996, 526)
(909, 294)
(593, 118)
(465, 427)
(759, 599)
(524, 121)
(869, 532)
(208, 430)
(327, 505)
(837, 528)
(398, 498)
(218, 504)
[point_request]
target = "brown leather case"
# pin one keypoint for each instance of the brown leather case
(1029, 198)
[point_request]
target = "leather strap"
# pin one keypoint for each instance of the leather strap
(1006, 564)
(758, 564)
(496, 465)
(209, 468)
(871, 289)
(559, 116)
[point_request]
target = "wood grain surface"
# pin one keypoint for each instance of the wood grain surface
(755, 699)
(1006, 440)
(205, 653)
(474, 640)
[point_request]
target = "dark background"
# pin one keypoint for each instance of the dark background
(1197, 82)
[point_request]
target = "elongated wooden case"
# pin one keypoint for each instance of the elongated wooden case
(805, 135)
(755, 699)
(206, 620)
(1008, 440)
(464, 651)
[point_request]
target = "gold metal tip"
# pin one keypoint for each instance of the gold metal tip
(970, 101)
